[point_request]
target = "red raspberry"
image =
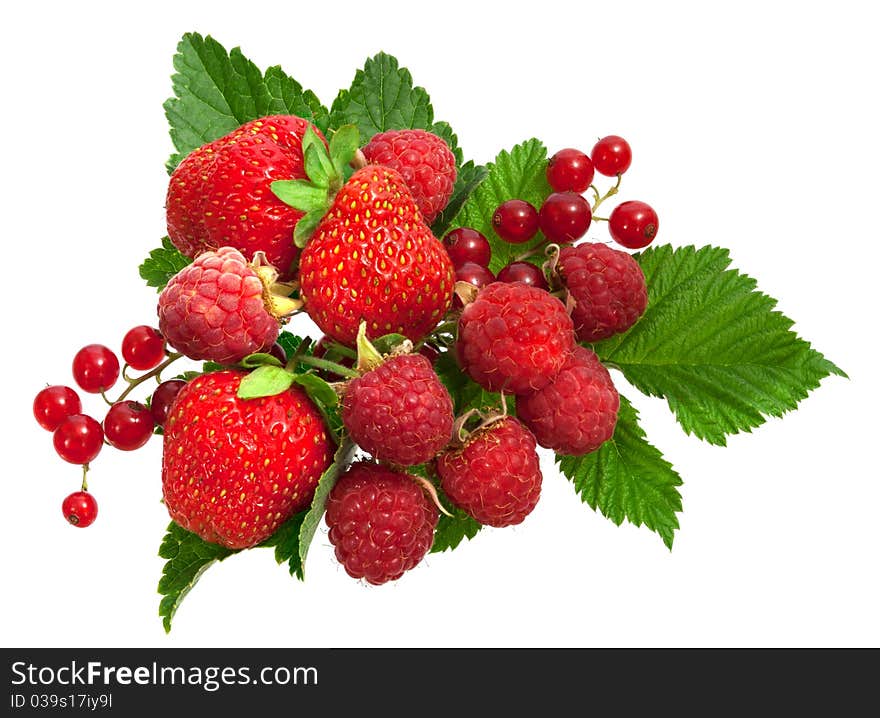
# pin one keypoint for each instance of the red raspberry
(381, 522)
(399, 412)
(217, 308)
(425, 162)
(495, 477)
(514, 338)
(608, 287)
(576, 412)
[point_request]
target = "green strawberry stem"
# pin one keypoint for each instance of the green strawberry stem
(329, 366)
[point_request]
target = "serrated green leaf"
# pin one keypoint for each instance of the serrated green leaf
(252, 361)
(466, 394)
(286, 543)
(341, 459)
(627, 478)
(452, 530)
(162, 264)
(265, 380)
(468, 179)
(216, 91)
(713, 345)
(187, 558)
(517, 174)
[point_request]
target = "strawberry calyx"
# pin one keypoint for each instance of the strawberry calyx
(326, 168)
(276, 295)
(371, 354)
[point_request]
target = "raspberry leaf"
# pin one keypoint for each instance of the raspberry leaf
(187, 558)
(466, 394)
(341, 459)
(286, 543)
(162, 264)
(265, 380)
(713, 346)
(216, 91)
(627, 478)
(468, 179)
(517, 174)
(452, 530)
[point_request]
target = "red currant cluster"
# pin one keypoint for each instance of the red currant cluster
(127, 426)
(563, 218)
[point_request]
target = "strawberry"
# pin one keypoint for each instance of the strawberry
(373, 258)
(234, 470)
(220, 194)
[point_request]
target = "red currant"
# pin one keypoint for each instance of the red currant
(633, 224)
(472, 273)
(612, 156)
(143, 348)
(467, 245)
(128, 425)
(80, 509)
(570, 170)
(54, 404)
(95, 368)
(162, 399)
(565, 217)
(78, 439)
(515, 221)
(524, 272)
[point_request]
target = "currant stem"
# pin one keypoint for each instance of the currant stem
(174, 356)
(600, 219)
(610, 193)
(534, 251)
(85, 484)
(329, 366)
(104, 396)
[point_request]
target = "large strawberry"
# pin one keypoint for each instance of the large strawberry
(220, 194)
(234, 470)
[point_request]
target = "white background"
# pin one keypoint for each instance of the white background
(753, 127)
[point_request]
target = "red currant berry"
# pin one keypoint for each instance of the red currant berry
(278, 352)
(78, 439)
(524, 272)
(515, 221)
(128, 425)
(162, 399)
(612, 156)
(95, 368)
(54, 404)
(633, 224)
(471, 273)
(80, 509)
(467, 245)
(570, 170)
(143, 348)
(565, 217)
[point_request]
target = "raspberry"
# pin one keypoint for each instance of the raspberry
(608, 287)
(217, 308)
(495, 477)
(577, 411)
(399, 412)
(425, 162)
(381, 522)
(514, 338)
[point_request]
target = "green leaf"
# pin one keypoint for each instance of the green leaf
(469, 178)
(286, 543)
(387, 343)
(452, 530)
(343, 146)
(317, 165)
(216, 91)
(382, 97)
(187, 558)
(341, 459)
(252, 361)
(466, 394)
(713, 345)
(301, 194)
(517, 174)
(162, 264)
(317, 389)
(266, 380)
(306, 226)
(627, 478)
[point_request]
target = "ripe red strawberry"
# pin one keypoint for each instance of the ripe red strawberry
(608, 287)
(373, 258)
(514, 338)
(399, 412)
(219, 308)
(495, 477)
(425, 162)
(381, 522)
(576, 413)
(220, 195)
(234, 470)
